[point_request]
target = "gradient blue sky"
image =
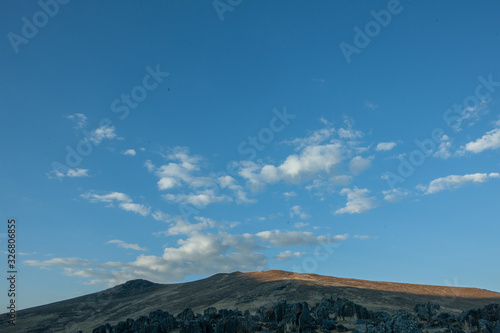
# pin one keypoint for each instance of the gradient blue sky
(328, 190)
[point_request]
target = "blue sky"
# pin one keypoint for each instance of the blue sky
(174, 140)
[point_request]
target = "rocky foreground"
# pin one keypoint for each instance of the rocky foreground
(332, 314)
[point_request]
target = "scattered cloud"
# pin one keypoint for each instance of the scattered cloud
(385, 146)
(316, 138)
(395, 195)
(182, 227)
(295, 169)
(110, 197)
(455, 181)
(443, 150)
(201, 199)
(60, 262)
(470, 114)
(123, 200)
(490, 140)
(370, 105)
(297, 211)
(362, 237)
(287, 255)
(290, 194)
(182, 171)
(129, 152)
(136, 208)
(300, 225)
(295, 238)
(358, 201)
(71, 173)
(101, 133)
(125, 245)
(359, 165)
(80, 119)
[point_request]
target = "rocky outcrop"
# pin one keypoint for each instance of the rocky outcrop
(331, 314)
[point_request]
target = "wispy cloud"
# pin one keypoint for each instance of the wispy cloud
(370, 105)
(71, 173)
(129, 152)
(358, 201)
(123, 200)
(60, 262)
(455, 181)
(385, 146)
(395, 195)
(287, 255)
(80, 119)
(125, 245)
(294, 238)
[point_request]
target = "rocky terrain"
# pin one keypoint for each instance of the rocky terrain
(243, 291)
(332, 314)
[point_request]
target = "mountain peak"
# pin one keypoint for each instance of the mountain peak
(137, 284)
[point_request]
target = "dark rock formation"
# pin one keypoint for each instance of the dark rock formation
(187, 314)
(332, 313)
(426, 311)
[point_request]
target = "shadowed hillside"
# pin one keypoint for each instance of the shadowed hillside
(245, 291)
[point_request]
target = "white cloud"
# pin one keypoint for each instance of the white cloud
(297, 211)
(357, 201)
(71, 173)
(200, 199)
(124, 201)
(197, 254)
(183, 170)
(455, 181)
(129, 152)
(287, 255)
(166, 183)
(359, 164)
(385, 146)
(395, 194)
(443, 150)
(182, 227)
(136, 208)
(101, 133)
(239, 192)
(295, 238)
(110, 197)
(61, 262)
(295, 168)
(469, 113)
(93, 282)
(290, 194)
(158, 215)
(125, 245)
(314, 139)
(300, 225)
(491, 140)
(80, 119)
(347, 133)
(149, 165)
(362, 237)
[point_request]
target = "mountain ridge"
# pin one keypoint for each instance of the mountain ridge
(245, 291)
